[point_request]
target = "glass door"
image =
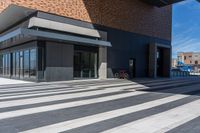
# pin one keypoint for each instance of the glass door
(21, 63)
(85, 64)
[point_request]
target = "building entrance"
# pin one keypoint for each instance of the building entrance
(85, 62)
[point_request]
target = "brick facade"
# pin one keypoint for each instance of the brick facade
(129, 15)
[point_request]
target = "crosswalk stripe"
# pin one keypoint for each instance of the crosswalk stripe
(56, 92)
(161, 122)
(65, 105)
(65, 89)
(67, 125)
(68, 96)
(59, 97)
(40, 88)
(10, 90)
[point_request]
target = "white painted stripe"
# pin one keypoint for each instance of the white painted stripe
(61, 85)
(78, 88)
(162, 122)
(176, 124)
(60, 97)
(32, 88)
(6, 96)
(67, 125)
(65, 105)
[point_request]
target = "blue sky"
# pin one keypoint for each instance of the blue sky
(186, 27)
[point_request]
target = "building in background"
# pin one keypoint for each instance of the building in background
(174, 62)
(191, 59)
(55, 40)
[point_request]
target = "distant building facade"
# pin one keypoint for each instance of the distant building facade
(189, 58)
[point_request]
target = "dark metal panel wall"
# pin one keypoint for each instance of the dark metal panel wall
(126, 45)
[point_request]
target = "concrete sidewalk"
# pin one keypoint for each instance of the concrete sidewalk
(5, 81)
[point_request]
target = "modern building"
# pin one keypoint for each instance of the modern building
(189, 58)
(51, 40)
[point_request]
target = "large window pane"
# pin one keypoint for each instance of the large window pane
(13, 65)
(26, 63)
(17, 64)
(1, 64)
(33, 63)
(4, 64)
(21, 64)
(8, 65)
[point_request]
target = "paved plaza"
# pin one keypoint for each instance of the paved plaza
(4, 81)
(107, 106)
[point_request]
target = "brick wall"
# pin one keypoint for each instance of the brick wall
(129, 15)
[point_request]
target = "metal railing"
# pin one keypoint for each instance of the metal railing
(184, 74)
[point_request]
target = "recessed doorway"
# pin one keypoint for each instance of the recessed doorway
(85, 62)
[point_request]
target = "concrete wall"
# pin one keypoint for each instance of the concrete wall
(129, 15)
(59, 61)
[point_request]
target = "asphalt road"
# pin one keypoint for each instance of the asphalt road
(108, 106)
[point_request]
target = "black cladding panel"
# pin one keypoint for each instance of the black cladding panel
(161, 3)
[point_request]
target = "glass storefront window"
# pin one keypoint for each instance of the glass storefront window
(33, 63)
(4, 64)
(23, 64)
(1, 64)
(13, 65)
(17, 65)
(9, 66)
(26, 63)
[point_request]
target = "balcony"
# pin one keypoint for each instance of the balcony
(161, 3)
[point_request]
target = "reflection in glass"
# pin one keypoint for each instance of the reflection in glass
(17, 64)
(85, 64)
(26, 63)
(13, 64)
(33, 63)
(6, 64)
(1, 64)
(21, 64)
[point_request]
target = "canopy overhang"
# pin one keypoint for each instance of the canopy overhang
(54, 37)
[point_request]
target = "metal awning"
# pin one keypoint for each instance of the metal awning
(54, 36)
(161, 3)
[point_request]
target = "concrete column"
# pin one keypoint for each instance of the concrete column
(152, 60)
(59, 61)
(102, 62)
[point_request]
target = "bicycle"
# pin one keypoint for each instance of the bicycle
(122, 75)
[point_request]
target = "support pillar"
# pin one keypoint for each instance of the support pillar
(102, 62)
(152, 61)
